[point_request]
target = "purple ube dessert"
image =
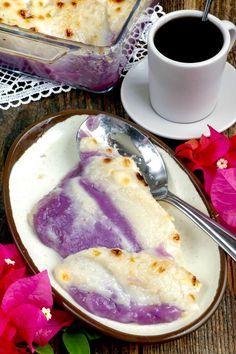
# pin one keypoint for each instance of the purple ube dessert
(104, 202)
(119, 243)
(107, 307)
(128, 287)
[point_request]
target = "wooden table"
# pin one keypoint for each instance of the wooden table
(218, 335)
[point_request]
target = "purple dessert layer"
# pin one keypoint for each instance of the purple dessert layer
(113, 214)
(59, 224)
(161, 252)
(108, 308)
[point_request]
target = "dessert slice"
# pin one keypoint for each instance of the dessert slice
(104, 202)
(128, 287)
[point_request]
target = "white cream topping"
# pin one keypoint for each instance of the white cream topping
(95, 22)
(133, 277)
(120, 178)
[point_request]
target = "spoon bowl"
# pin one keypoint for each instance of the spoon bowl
(131, 142)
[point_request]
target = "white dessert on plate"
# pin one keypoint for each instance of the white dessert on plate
(104, 202)
(122, 251)
(129, 287)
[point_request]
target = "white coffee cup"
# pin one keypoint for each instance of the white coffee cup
(186, 92)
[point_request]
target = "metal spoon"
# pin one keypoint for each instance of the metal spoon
(206, 10)
(129, 141)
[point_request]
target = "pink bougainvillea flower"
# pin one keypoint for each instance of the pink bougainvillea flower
(34, 290)
(8, 335)
(9, 255)
(59, 319)
(7, 347)
(223, 196)
(12, 267)
(33, 326)
(215, 157)
(208, 155)
(27, 306)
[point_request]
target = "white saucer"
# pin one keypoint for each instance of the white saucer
(135, 99)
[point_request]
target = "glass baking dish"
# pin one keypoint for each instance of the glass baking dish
(89, 67)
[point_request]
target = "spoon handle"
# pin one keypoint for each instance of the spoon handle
(206, 10)
(225, 239)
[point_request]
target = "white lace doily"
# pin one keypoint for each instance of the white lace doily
(17, 89)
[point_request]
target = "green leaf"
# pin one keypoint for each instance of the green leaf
(46, 349)
(90, 334)
(76, 343)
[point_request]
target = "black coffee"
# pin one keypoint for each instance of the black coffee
(188, 39)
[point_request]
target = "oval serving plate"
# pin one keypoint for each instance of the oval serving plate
(40, 158)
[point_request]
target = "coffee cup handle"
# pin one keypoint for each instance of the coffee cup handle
(229, 26)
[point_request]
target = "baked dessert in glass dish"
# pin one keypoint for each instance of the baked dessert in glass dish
(79, 43)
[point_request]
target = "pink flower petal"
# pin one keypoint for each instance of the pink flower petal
(209, 175)
(223, 195)
(231, 154)
(227, 226)
(7, 338)
(35, 290)
(10, 252)
(59, 320)
(27, 319)
(186, 153)
(212, 148)
(33, 326)
(7, 347)
(189, 145)
(21, 316)
(9, 333)
(3, 322)
(10, 278)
